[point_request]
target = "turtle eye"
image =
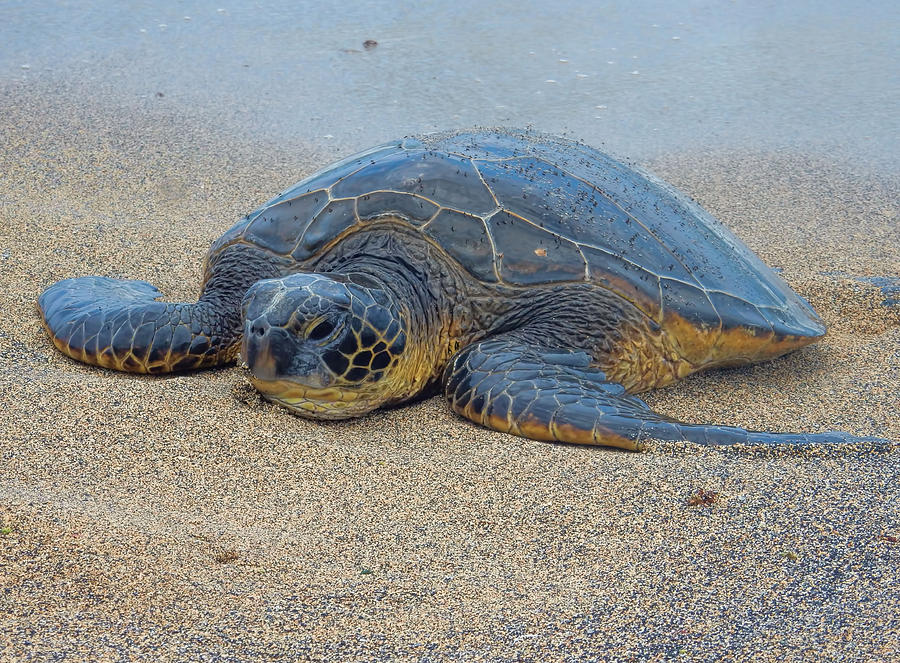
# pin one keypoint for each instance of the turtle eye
(322, 329)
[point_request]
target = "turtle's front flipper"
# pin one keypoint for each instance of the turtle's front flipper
(555, 395)
(118, 324)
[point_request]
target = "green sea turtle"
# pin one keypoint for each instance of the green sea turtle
(535, 280)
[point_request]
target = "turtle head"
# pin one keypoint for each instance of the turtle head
(324, 346)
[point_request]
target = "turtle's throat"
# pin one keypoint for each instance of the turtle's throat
(314, 402)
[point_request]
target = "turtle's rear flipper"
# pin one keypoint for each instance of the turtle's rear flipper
(118, 324)
(555, 395)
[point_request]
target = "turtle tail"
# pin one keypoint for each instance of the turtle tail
(118, 324)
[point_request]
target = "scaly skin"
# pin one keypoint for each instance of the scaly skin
(512, 384)
(554, 363)
(118, 324)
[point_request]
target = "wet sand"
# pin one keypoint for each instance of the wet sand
(182, 518)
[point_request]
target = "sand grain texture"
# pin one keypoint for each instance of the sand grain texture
(181, 518)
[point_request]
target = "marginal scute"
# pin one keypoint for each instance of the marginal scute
(278, 227)
(735, 312)
(230, 235)
(699, 241)
(690, 302)
(785, 322)
(636, 284)
(465, 238)
(336, 216)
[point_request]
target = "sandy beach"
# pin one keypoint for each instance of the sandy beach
(182, 518)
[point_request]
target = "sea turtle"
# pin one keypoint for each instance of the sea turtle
(537, 281)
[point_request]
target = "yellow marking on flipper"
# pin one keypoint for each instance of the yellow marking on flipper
(608, 438)
(535, 429)
(500, 423)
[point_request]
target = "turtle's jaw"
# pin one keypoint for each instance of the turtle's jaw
(313, 402)
(306, 387)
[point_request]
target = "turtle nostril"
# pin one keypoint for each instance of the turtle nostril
(259, 327)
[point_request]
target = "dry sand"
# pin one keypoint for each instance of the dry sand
(181, 518)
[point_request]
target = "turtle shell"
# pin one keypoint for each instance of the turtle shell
(523, 209)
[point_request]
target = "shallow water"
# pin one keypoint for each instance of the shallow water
(643, 78)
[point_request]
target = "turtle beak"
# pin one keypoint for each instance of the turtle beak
(273, 354)
(263, 349)
(267, 352)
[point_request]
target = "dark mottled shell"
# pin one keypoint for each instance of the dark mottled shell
(524, 209)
